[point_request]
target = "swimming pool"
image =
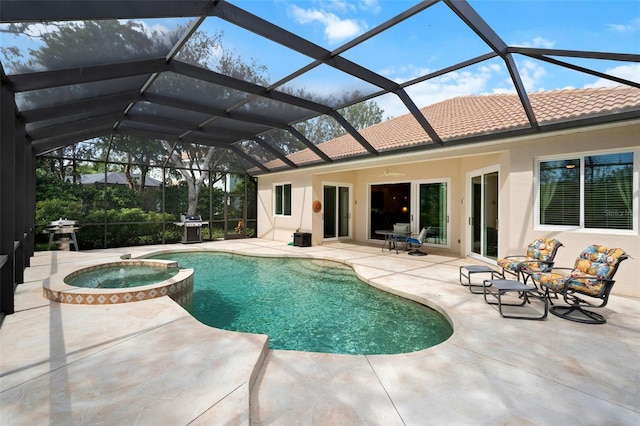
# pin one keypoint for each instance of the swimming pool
(307, 305)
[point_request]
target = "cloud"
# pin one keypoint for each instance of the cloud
(402, 73)
(36, 31)
(537, 42)
(531, 75)
(451, 85)
(628, 72)
(619, 28)
(157, 32)
(370, 5)
(633, 25)
(340, 6)
(335, 29)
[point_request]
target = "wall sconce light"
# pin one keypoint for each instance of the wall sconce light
(404, 209)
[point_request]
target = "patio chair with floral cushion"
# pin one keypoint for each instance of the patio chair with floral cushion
(591, 276)
(539, 257)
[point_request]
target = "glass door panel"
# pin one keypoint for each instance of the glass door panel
(337, 211)
(476, 214)
(343, 212)
(433, 211)
(330, 212)
(389, 205)
(483, 221)
(490, 224)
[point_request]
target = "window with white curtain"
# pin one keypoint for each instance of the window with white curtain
(282, 202)
(587, 191)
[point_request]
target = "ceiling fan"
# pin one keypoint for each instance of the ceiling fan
(388, 173)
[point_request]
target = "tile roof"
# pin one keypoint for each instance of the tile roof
(476, 115)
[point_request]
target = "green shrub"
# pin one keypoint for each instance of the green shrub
(54, 209)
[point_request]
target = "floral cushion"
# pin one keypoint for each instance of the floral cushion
(553, 280)
(541, 249)
(591, 271)
(511, 264)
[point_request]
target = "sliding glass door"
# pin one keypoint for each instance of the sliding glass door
(423, 204)
(337, 211)
(390, 204)
(433, 211)
(483, 213)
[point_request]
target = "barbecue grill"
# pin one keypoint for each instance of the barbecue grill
(63, 229)
(191, 228)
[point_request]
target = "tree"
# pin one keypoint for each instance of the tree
(135, 153)
(76, 44)
(324, 128)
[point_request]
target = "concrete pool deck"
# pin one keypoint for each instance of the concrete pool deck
(151, 363)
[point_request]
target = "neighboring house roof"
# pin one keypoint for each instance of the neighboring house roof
(115, 178)
(475, 116)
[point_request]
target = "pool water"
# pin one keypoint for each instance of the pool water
(307, 305)
(121, 276)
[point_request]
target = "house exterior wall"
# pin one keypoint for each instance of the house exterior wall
(280, 227)
(521, 186)
(515, 161)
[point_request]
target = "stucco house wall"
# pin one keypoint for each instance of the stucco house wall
(520, 187)
(280, 227)
(515, 161)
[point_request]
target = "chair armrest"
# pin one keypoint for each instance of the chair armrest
(575, 285)
(559, 277)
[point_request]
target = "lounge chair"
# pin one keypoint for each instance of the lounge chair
(591, 275)
(539, 258)
(416, 243)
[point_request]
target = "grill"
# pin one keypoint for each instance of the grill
(191, 228)
(62, 232)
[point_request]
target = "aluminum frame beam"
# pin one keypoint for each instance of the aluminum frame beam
(470, 17)
(65, 77)
(275, 152)
(115, 106)
(77, 10)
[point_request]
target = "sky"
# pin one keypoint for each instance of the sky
(433, 39)
(436, 38)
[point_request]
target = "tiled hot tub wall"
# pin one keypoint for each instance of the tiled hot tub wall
(178, 287)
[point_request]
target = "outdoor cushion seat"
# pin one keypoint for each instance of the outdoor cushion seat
(401, 232)
(417, 242)
(591, 275)
(539, 258)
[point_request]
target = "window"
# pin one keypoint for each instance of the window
(589, 191)
(283, 199)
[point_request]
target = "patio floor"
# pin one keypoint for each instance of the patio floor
(151, 363)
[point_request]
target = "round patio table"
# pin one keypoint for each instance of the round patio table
(391, 238)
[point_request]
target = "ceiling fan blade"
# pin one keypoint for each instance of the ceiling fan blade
(387, 173)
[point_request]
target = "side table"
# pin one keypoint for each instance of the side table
(468, 270)
(497, 288)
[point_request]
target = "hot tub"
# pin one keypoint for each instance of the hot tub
(179, 287)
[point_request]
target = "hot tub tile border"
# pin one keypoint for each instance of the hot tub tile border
(179, 288)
